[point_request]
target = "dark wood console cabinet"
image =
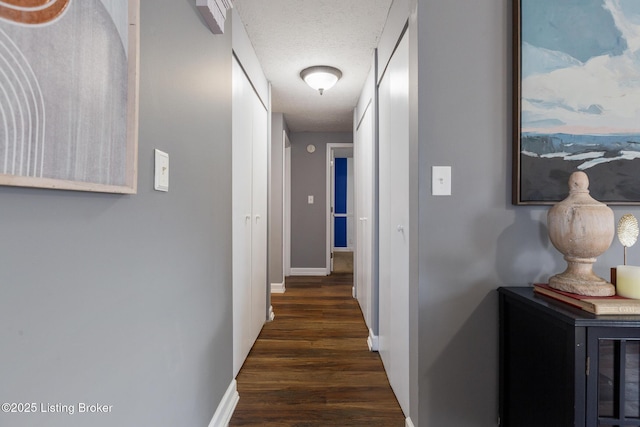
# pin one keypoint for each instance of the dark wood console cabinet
(563, 367)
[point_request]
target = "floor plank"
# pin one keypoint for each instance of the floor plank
(311, 365)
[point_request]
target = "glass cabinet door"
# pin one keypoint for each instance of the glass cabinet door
(613, 368)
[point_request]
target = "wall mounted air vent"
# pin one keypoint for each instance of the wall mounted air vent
(215, 13)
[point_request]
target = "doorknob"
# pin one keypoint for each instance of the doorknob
(400, 228)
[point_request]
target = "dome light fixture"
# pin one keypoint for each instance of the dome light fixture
(321, 77)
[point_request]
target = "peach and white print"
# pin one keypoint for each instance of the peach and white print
(64, 80)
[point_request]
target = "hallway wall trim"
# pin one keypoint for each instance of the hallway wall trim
(277, 288)
(227, 405)
(372, 341)
(309, 272)
(408, 423)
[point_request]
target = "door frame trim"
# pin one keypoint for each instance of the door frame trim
(286, 205)
(330, 148)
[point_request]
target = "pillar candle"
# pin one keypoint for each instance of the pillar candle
(628, 281)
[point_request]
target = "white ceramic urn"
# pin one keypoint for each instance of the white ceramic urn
(582, 229)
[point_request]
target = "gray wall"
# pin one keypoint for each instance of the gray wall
(474, 241)
(276, 196)
(308, 177)
(126, 300)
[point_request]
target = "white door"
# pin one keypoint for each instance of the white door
(259, 174)
(394, 223)
(364, 182)
(241, 216)
(249, 216)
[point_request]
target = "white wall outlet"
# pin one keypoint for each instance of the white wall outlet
(441, 180)
(310, 200)
(161, 177)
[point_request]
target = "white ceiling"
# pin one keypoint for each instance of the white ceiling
(290, 35)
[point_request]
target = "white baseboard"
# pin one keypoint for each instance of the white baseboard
(308, 271)
(272, 315)
(372, 341)
(408, 423)
(277, 288)
(227, 405)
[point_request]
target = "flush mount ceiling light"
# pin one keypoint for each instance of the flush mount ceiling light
(321, 77)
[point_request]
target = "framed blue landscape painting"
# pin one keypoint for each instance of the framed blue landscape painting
(576, 99)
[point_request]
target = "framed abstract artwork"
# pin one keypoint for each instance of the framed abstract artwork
(576, 99)
(69, 94)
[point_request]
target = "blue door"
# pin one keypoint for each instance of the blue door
(340, 203)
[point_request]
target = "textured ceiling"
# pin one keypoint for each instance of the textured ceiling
(290, 35)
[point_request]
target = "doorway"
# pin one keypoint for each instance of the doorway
(340, 207)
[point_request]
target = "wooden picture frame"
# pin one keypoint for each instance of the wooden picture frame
(576, 100)
(69, 114)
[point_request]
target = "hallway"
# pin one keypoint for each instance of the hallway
(311, 365)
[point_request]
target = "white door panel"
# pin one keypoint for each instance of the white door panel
(241, 214)
(249, 212)
(364, 181)
(259, 232)
(394, 223)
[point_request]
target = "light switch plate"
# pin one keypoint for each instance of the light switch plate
(161, 178)
(310, 200)
(441, 180)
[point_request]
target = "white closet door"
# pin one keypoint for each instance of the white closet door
(259, 176)
(394, 223)
(364, 180)
(249, 211)
(242, 216)
(384, 227)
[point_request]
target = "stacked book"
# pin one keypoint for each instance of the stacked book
(596, 305)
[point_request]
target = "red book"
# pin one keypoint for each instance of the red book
(596, 305)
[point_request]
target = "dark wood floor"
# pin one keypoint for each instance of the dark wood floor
(311, 365)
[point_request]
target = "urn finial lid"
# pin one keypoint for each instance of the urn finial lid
(578, 182)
